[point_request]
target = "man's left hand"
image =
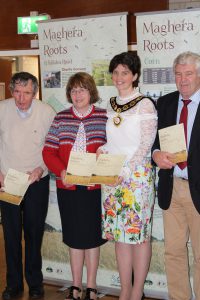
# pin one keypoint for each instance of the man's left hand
(36, 174)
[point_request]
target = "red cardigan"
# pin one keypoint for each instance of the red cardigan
(62, 135)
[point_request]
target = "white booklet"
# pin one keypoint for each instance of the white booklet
(172, 140)
(15, 186)
(84, 169)
(107, 168)
(80, 166)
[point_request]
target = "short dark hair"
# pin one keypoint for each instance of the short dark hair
(129, 59)
(85, 80)
(22, 78)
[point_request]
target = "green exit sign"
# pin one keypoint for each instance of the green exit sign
(28, 25)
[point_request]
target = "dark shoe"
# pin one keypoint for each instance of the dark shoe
(10, 293)
(71, 294)
(36, 292)
(87, 293)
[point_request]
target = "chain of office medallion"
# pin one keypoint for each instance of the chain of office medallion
(121, 108)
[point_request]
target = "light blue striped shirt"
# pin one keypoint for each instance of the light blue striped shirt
(192, 109)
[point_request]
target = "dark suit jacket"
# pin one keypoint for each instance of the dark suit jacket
(167, 112)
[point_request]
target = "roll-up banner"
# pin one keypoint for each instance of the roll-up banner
(75, 45)
(67, 46)
(161, 36)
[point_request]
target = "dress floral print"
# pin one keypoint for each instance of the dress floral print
(127, 209)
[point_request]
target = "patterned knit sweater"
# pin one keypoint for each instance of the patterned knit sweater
(62, 135)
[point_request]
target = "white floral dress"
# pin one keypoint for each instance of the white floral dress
(127, 208)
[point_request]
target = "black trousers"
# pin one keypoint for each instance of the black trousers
(29, 216)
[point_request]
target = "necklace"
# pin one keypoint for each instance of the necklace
(119, 108)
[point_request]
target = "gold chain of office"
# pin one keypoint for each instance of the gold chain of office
(119, 108)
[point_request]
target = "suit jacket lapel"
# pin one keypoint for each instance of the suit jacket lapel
(173, 108)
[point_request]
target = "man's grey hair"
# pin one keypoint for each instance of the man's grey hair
(23, 78)
(188, 58)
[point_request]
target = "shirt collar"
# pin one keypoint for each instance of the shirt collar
(195, 97)
(25, 114)
(80, 115)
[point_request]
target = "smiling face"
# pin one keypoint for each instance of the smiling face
(23, 95)
(187, 79)
(123, 79)
(80, 99)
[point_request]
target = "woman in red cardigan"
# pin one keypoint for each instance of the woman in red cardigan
(79, 128)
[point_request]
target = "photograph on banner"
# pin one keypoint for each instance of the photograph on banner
(87, 44)
(161, 36)
(51, 79)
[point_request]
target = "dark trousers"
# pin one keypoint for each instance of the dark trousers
(30, 216)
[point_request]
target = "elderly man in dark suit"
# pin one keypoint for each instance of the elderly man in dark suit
(179, 184)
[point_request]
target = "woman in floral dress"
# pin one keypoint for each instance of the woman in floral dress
(127, 206)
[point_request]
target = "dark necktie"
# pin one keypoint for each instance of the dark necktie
(183, 119)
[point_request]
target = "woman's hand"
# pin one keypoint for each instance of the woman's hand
(100, 151)
(64, 180)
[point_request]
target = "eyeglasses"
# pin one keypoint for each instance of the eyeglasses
(80, 91)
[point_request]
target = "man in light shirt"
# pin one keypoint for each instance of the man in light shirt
(24, 123)
(179, 185)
